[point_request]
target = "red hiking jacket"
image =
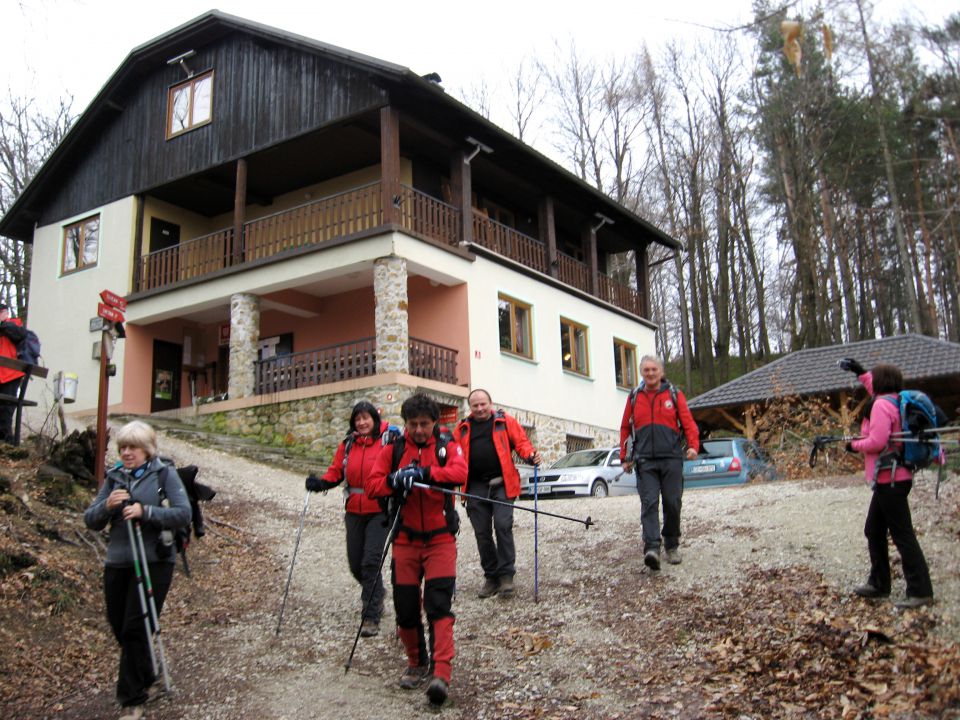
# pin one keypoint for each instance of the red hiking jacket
(423, 510)
(363, 453)
(656, 430)
(508, 434)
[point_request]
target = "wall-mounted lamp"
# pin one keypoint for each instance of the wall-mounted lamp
(181, 60)
(478, 147)
(601, 221)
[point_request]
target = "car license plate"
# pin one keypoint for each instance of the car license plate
(541, 489)
(704, 469)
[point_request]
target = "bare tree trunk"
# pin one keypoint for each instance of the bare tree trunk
(909, 290)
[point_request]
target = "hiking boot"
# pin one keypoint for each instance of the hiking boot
(156, 691)
(413, 676)
(489, 589)
(506, 587)
(132, 712)
(911, 602)
(437, 691)
(369, 628)
(673, 556)
(870, 592)
(651, 558)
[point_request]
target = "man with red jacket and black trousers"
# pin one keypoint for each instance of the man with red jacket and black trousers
(487, 438)
(425, 545)
(658, 420)
(12, 334)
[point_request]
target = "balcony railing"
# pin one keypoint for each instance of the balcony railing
(360, 210)
(433, 362)
(506, 241)
(429, 218)
(346, 361)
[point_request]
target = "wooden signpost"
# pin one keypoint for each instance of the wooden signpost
(111, 310)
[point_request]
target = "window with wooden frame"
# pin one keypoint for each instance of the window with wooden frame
(625, 363)
(574, 347)
(81, 245)
(515, 326)
(190, 104)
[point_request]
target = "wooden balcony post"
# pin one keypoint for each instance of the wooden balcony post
(548, 233)
(389, 162)
(138, 244)
(589, 238)
(239, 210)
(461, 190)
(643, 279)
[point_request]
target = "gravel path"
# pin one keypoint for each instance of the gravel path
(509, 653)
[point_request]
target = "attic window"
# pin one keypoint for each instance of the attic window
(190, 104)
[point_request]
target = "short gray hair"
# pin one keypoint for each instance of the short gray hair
(139, 435)
(651, 358)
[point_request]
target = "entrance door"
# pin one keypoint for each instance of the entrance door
(163, 234)
(165, 392)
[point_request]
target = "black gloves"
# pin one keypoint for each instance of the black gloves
(849, 447)
(851, 365)
(402, 480)
(315, 484)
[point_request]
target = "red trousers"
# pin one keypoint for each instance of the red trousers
(435, 564)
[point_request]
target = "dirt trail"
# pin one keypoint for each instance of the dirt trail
(600, 615)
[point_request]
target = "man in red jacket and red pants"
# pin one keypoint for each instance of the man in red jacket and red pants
(488, 438)
(425, 545)
(658, 421)
(11, 334)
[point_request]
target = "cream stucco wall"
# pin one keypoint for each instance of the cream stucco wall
(542, 384)
(62, 305)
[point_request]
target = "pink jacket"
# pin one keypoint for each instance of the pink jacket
(876, 430)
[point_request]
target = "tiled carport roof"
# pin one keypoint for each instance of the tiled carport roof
(815, 371)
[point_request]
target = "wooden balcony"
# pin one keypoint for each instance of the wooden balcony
(345, 361)
(532, 253)
(355, 211)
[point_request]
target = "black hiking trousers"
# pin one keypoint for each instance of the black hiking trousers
(890, 512)
(126, 620)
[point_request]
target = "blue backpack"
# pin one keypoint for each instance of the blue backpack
(28, 349)
(918, 414)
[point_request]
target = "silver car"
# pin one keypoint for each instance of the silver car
(595, 472)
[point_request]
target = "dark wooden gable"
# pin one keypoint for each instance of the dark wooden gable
(264, 93)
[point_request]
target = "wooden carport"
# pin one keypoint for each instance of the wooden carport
(741, 405)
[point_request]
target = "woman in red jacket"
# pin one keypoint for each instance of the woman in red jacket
(364, 519)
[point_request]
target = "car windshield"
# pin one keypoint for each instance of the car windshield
(717, 448)
(581, 458)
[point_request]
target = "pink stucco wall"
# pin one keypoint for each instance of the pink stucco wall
(437, 314)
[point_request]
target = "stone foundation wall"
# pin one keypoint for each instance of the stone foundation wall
(316, 425)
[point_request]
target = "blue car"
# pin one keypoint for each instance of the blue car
(728, 461)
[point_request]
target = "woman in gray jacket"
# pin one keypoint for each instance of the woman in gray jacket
(141, 489)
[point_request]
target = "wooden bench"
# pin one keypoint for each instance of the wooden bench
(20, 399)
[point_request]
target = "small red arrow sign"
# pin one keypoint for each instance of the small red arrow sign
(113, 300)
(109, 313)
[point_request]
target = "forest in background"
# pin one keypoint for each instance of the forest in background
(807, 164)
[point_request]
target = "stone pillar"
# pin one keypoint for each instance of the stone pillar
(244, 336)
(390, 316)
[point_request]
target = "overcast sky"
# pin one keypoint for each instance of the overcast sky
(52, 48)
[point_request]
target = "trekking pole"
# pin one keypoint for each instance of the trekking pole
(153, 608)
(383, 557)
(586, 523)
(536, 547)
(293, 559)
(135, 551)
